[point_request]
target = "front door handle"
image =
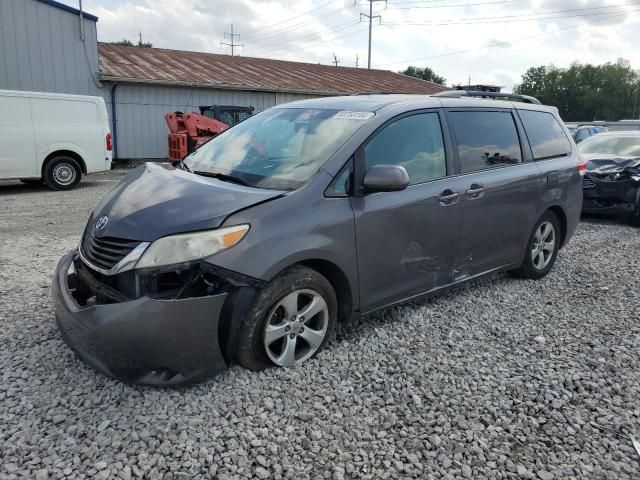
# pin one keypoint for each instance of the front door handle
(449, 197)
(475, 191)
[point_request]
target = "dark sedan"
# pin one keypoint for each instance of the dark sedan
(611, 182)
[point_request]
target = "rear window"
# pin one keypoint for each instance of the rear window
(546, 136)
(486, 140)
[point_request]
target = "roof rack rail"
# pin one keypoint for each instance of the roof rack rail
(494, 95)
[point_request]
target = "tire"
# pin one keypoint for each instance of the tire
(31, 181)
(635, 217)
(256, 351)
(538, 260)
(62, 173)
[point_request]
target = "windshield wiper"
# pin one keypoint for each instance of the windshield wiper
(223, 177)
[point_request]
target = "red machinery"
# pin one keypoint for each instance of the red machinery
(187, 131)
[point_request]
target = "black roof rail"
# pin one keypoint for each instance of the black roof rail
(494, 95)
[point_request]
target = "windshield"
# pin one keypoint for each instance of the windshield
(280, 148)
(611, 145)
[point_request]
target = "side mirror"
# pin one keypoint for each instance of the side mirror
(385, 178)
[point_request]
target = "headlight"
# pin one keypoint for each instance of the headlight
(185, 247)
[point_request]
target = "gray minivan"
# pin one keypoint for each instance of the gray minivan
(251, 249)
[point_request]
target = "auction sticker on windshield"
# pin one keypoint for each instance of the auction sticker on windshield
(346, 114)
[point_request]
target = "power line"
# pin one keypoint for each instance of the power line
(529, 16)
(322, 42)
(286, 46)
(271, 37)
(262, 49)
(254, 36)
(504, 20)
(371, 16)
(232, 36)
(496, 2)
(497, 44)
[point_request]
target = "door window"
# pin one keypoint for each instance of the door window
(415, 143)
(546, 136)
(486, 140)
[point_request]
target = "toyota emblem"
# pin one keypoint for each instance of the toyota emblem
(102, 222)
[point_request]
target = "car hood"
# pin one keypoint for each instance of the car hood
(598, 160)
(152, 201)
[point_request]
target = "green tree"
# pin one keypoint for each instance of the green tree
(425, 73)
(585, 92)
(129, 43)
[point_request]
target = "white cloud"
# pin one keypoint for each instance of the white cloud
(500, 40)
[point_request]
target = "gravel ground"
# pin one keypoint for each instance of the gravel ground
(503, 379)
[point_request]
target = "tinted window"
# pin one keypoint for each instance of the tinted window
(582, 134)
(486, 140)
(546, 136)
(413, 142)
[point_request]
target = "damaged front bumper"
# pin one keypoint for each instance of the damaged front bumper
(144, 340)
(612, 190)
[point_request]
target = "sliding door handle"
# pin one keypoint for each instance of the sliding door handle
(475, 191)
(449, 197)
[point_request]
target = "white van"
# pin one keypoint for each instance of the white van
(52, 138)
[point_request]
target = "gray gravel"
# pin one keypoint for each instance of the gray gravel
(503, 379)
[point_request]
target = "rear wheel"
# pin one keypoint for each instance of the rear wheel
(542, 248)
(291, 320)
(62, 173)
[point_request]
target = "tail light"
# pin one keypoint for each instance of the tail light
(109, 144)
(582, 167)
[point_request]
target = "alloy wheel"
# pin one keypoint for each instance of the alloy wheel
(544, 245)
(296, 327)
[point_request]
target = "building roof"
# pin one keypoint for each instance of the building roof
(69, 9)
(178, 67)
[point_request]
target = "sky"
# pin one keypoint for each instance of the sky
(488, 41)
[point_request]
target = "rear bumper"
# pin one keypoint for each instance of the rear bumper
(142, 341)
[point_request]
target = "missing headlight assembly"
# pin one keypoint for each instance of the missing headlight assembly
(176, 282)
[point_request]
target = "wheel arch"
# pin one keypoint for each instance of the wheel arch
(560, 214)
(338, 280)
(64, 153)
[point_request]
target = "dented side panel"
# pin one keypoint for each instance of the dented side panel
(407, 242)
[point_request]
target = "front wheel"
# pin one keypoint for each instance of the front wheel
(542, 248)
(291, 320)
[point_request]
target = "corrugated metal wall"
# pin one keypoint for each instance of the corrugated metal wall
(142, 131)
(41, 49)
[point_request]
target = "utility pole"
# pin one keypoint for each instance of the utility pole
(335, 59)
(357, 60)
(371, 16)
(232, 39)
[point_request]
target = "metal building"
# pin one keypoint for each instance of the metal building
(146, 83)
(49, 46)
(46, 46)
